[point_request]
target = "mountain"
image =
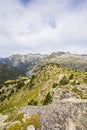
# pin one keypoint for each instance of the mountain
(73, 61)
(8, 72)
(33, 62)
(53, 98)
(23, 62)
(16, 65)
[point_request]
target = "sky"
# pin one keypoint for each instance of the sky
(43, 26)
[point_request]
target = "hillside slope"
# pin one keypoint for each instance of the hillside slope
(65, 89)
(8, 72)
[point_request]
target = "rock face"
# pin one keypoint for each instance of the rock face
(30, 127)
(68, 114)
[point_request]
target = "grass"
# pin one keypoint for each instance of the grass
(41, 84)
(22, 125)
(16, 126)
(15, 117)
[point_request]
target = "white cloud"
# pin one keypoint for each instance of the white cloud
(43, 26)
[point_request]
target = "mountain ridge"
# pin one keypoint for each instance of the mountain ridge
(73, 61)
(22, 62)
(29, 61)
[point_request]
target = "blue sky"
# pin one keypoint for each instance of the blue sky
(43, 26)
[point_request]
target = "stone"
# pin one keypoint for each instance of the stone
(30, 127)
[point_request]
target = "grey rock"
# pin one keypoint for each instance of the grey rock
(30, 127)
(68, 114)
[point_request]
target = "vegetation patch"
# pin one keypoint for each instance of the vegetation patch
(48, 99)
(16, 126)
(39, 89)
(15, 117)
(54, 85)
(33, 102)
(64, 81)
(33, 120)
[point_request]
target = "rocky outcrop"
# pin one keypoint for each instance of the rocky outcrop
(69, 114)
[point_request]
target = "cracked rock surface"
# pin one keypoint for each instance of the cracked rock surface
(68, 114)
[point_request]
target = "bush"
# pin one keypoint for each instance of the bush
(48, 99)
(20, 85)
(54, 85)
(72, 82)
(64, 81)
(31, 81)
(71, 76)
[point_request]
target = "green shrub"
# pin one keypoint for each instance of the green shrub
(31, 84)
(12, 90)
(48, 99)
(72, 82)
(20, 85)
(71, 76)
(85, 80)
(64, 81)
(54, 85)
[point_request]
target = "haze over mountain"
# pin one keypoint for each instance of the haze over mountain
(23, 62)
